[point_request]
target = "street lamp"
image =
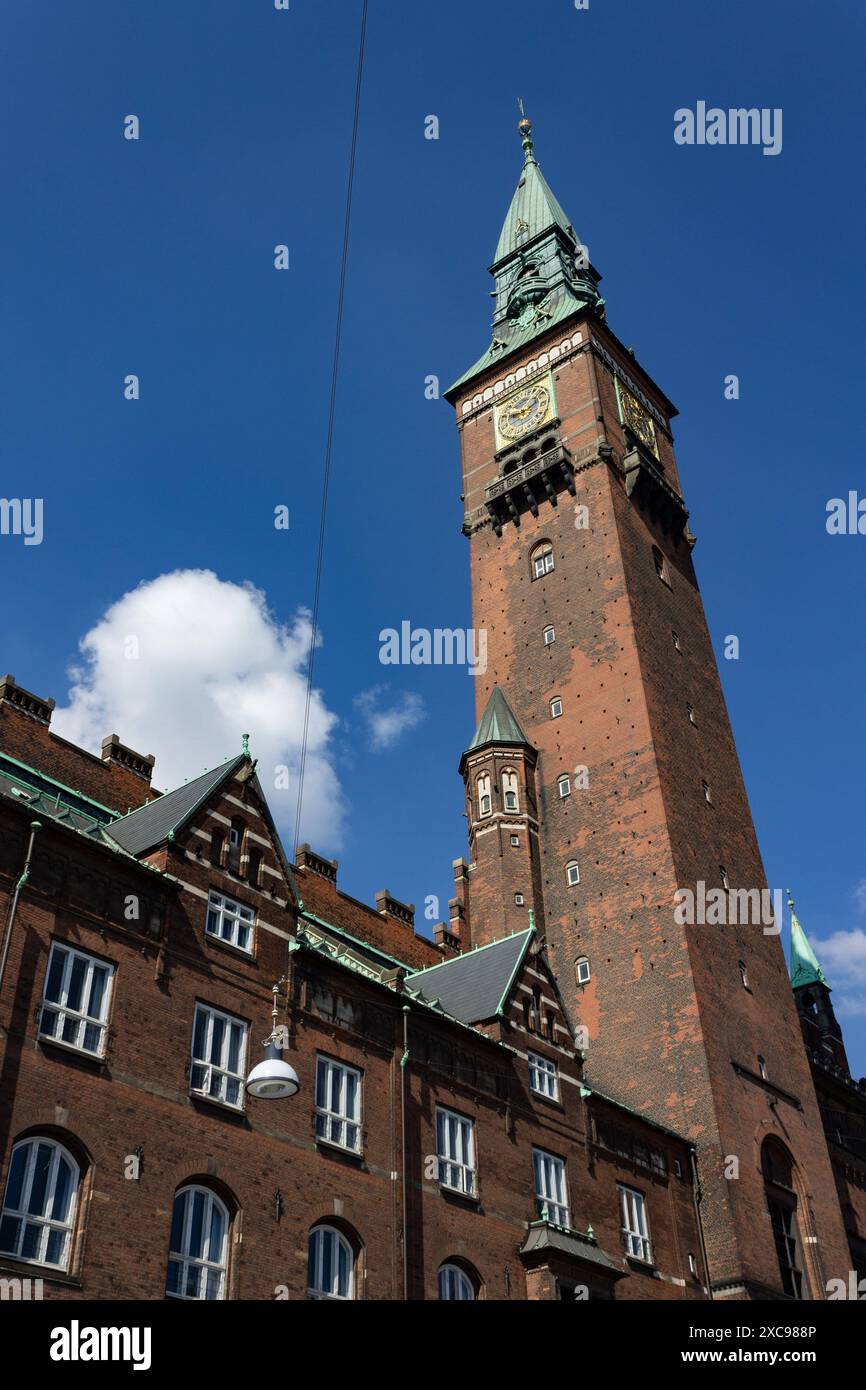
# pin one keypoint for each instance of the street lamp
(273, 1078)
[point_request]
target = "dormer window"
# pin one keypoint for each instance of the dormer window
(509, 791)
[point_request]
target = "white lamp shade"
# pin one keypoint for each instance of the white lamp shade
(272, 1079)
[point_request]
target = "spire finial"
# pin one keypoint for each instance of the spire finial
(246, 745)
(524, 125)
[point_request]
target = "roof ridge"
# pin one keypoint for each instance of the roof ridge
(475, 950)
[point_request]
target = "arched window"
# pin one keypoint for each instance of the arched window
(509, 791)
(661, 566)
(254, 867)
(564, 785)
(330, 1264)
(556, 708)
(572, 874)
(542, 560)
(455, 1283)
(581, 970)
(777, 1167)
(485, 803)
(549, 636)
(236, 840)
(39, 1204)
(198, 1253)
(216, 848)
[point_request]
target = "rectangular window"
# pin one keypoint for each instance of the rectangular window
(551, 1193)
(635, 1232)
(455, 1149)
(75, 1000)
(338, 1104)
(229, 921)
(555, 709)
(542, 1077)
(219, 1050)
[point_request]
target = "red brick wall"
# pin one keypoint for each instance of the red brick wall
(666, 1011)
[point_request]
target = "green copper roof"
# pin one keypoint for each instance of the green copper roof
(533, 210)
(805, 969)
(498, 724)
(541, 269)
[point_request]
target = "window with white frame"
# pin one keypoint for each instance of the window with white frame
(556, 708)
(454, 1283)
(338, 1104)
(330, 1265)
(75, 999)
(635, 1231)
(564, 787)
(455, 1149)
(219, 1051)
(542, 1077)
(542, 560)
(38, 1211)
(551, 1193)
(549, 636)
(581, 970)
(485, 802)
(229, 921)
(572, 873)
(199, 1244)
(509, 791)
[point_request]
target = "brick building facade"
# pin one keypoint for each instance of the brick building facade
(565, 1094)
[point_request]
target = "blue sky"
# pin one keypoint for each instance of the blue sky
(155, 257)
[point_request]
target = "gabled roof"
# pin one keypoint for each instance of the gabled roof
(152, 824)
(475, 986)
(498, 724)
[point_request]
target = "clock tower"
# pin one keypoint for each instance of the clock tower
(630, 795)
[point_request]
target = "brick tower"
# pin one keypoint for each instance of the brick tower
(598, 648)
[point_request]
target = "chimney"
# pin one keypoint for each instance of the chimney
(24, 700)
(446, 938)
(388, 906)
(113, 751)
(306, 858)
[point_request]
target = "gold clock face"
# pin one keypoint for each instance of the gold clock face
(639, 422)
(524, 411)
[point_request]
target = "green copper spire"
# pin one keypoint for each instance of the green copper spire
(246, 745)
(498, 724)
(542, 269)
(805, 969)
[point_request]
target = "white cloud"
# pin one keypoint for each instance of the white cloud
(843, 957)
(213, 663)
(860, 895)
(387, 725)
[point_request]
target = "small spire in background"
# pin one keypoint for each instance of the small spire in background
(246, 743)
